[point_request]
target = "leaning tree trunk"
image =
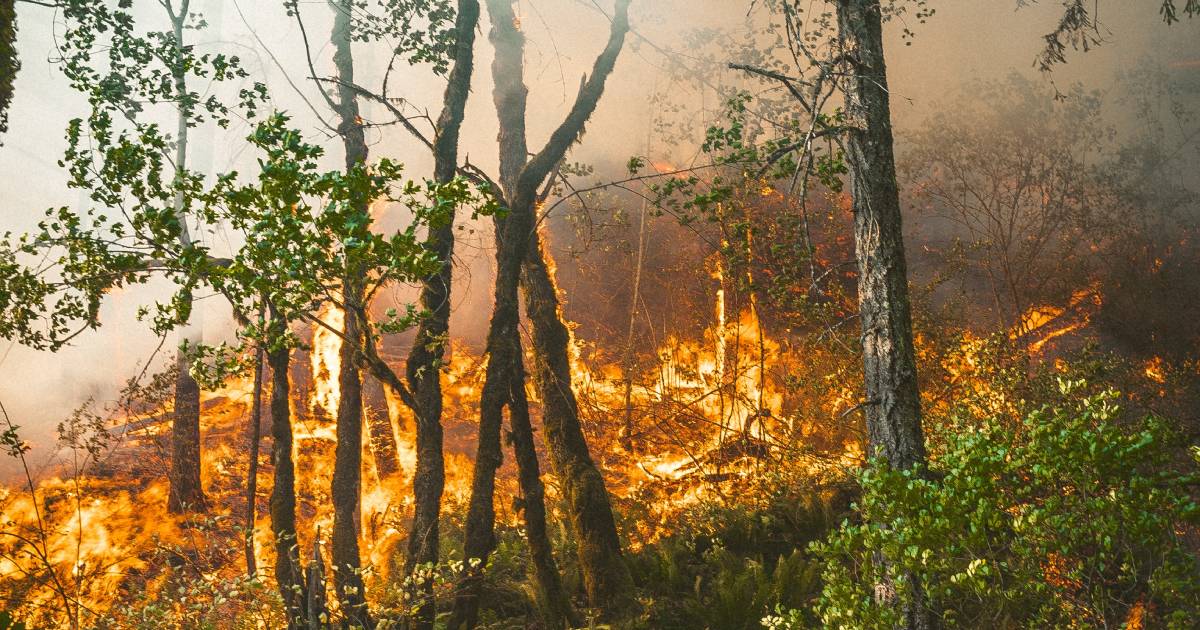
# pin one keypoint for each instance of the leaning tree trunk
(606, 576)
(520, 178)
(423, 369)
(186, 492)
(347, 468)
(893, 405)
(288, 575)
(551, 598)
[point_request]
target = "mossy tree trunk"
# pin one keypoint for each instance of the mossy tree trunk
(346, 489)
(423, 370)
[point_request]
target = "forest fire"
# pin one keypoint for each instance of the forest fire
(783, 363)
(326, 361)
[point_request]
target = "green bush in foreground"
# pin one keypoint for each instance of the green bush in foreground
(1064, 520)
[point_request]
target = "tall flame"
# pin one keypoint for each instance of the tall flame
(326, 361)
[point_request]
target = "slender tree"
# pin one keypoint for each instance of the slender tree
(186, 491)
(893, 401)
(347, 469)
(854, 67)
(288, 575)
(140, 223)
(893, 408)
(606, 577)
(551, 597)
(252, 470)
(520, 179)
(425, 360)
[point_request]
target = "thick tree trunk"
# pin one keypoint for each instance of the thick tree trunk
(893, 405)
(893, 408)
(606, 577)
(347, 469)
(252, 472)
(552, 599)
(424, 366)
(283, 490)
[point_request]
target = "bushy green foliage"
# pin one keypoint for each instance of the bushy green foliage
(1067, 519)
(727, 566)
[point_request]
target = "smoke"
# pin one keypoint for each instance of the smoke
(649, 99)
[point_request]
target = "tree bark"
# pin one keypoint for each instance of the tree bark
(288, 575)
(606, 576)
(520, 179)
(252, 471)
(552, 599)
(347, 469)
(346, 489)
(893, 408)
(424, 366)
(186, 492)
(893, 405)
(502, 331)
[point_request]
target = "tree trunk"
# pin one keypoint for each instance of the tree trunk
(252, 472)
(283, 490)
(346, 489)
(186, 492)
(423, 369)
(502, 353)
(606, 577)
(347, 468)
(552, 599)
(893, 405)
(893, 408)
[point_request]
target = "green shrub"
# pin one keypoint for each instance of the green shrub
(727, 566)
(1067, 519)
